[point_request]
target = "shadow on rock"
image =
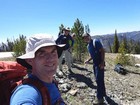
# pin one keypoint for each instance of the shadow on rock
(81, 68)
(128, 71)
(110, 101)
(82, 78)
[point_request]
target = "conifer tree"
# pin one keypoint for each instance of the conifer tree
(123, 46)
(79, 45)
(87, 29)
(19, 46)
(137, 48)
(9, 45)
(115, 46)
(60, 29)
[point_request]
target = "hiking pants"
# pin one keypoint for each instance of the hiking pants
(99, 76)
(67, 55)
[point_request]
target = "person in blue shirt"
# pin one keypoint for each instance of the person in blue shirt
(97, 54)
(42, 58)
(67, 39)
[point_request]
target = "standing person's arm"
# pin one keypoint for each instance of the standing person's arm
(72, 42)
(99, 46)
(58, 40)
(102, 64)
(88, 60)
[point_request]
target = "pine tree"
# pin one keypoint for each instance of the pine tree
(19, 46)
(109, 46)
(87, 29)
(115, 46)
(60, 29)
(79, 45)
(137, 48)
(9, 45)
(123, 46)
(122, 58)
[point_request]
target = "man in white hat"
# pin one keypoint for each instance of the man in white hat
(67, 39)
(42, 58)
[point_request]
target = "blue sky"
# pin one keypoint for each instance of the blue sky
(30, 17)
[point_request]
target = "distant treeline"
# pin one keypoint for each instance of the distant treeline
(118, 45)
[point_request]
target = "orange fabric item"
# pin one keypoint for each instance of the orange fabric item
(11, 69)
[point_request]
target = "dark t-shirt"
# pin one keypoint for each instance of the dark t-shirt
(65, 39)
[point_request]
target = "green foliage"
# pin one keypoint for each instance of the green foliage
(123, 46)
(87, 29)
(19, 46)
(123, 59)
(79, 45)
(9, 45)
(61, 28)
(137, 48)
(109, 46)
(131, 46)
(115, 46)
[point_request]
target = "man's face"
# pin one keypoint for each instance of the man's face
(66, 32)
(45, 61)
(86, 39)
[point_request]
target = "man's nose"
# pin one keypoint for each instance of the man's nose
(49, 56)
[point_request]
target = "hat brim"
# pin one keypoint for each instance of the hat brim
(67, 30)
(85, 35)
(21, 59)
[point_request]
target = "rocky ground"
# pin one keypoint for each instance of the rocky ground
(78, 86)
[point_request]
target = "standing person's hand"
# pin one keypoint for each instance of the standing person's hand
(70, 49)
(86, 62)
(102, 65)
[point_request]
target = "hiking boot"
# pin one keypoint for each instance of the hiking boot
(98, 102)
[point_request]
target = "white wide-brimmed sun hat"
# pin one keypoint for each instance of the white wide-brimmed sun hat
(36, 42)
(66, 29)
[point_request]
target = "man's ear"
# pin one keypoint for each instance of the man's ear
(29, 61)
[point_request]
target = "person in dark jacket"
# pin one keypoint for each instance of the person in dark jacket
(65, 38)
